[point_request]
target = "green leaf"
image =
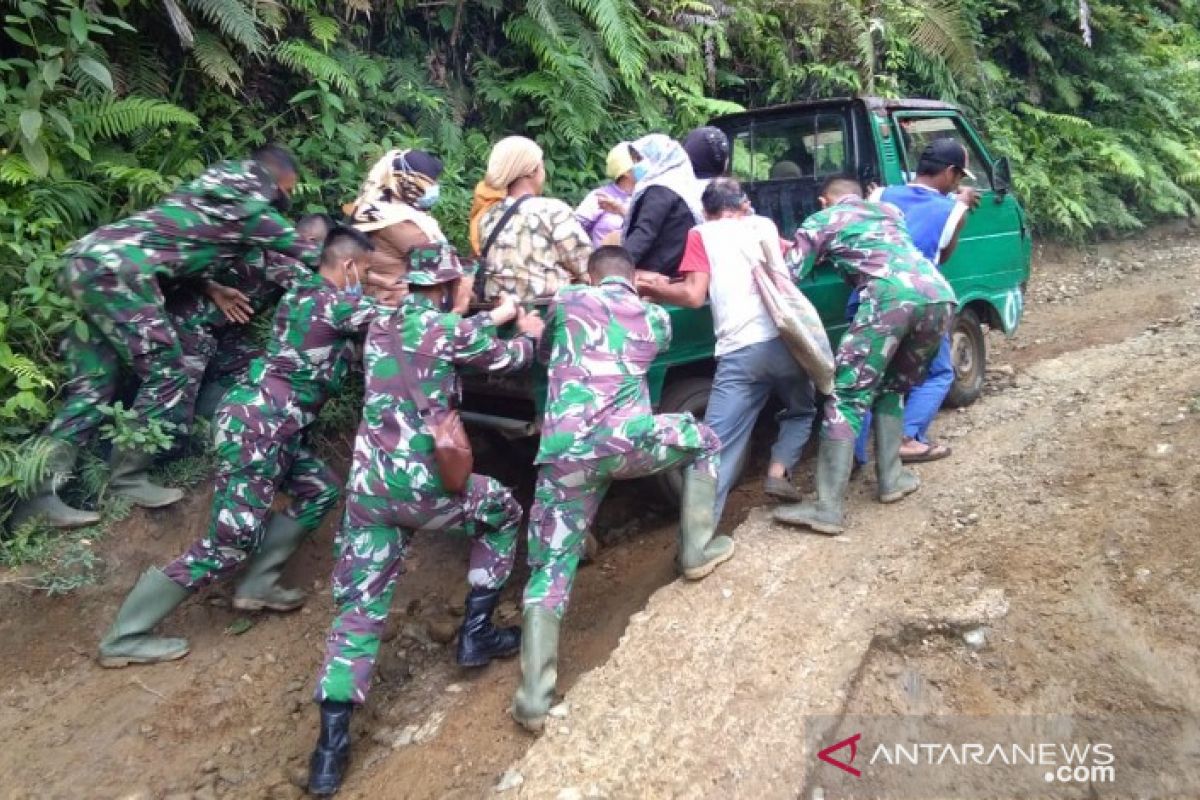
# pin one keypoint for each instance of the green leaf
(31, 124)
(62, 122)
(81, 330)
(239, 626)
(19, 36)
(52, 71)
(79, 26)
(96, 71)
(35, 154)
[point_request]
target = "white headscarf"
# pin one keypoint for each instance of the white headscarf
(670, 168)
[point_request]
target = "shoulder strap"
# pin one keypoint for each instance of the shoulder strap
(411, 388)
(491, 240)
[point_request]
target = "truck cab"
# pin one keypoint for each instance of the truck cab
(782, 155)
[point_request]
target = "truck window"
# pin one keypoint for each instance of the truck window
(807, 145)
(917, 132)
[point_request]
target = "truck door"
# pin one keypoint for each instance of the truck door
(992, 257)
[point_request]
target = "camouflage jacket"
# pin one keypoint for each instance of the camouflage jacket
(866, 241)
(307, 358)
(209, 222)
(598, 344)
(262, 276)
(392, 436)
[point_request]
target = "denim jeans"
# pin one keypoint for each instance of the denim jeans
(745, 379)
(922, 403)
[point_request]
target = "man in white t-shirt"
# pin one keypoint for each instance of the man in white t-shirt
(752, 361)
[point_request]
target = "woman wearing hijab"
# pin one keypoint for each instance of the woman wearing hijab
(665, 204)
(602, 212)
(393, 209)
(530, 245)
(708, 150)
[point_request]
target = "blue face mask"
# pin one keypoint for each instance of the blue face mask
(639, 170)
(427, 200)
(355, 289)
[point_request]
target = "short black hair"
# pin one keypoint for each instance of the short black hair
(838, 186)
(319, 224)
(344, 242)
(276, 158)
(722, 194)
(611, 259)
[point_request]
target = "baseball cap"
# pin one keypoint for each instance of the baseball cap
(949, 152)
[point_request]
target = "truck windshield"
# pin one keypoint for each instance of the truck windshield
(808, 145)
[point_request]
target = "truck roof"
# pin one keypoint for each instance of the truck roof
(872, 103)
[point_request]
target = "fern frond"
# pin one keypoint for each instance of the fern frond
(234, 19)
(25, 465)
(74, 202)
(324, 29)
(299, 57)
(15, 170)
(216, 62)
(940, 28)
(110, 118)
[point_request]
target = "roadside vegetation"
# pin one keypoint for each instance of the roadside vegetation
(105, 106)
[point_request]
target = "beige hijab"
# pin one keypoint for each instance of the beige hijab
(512, 158)
(378, 204)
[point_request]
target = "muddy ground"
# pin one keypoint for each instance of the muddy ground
(1062, 530)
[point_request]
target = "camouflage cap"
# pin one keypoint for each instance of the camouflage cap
(432, 264)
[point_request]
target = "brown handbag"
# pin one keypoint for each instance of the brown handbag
(451, 446)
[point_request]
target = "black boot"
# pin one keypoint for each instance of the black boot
(479, 641)
(327, 766)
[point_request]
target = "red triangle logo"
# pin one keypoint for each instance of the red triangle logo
(852, 743)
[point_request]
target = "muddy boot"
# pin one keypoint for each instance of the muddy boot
(826, 515)
(895, 482)
(479, 641)
(44, 501)
(539, 668)
(327, 766)
(131, 479)
(259, 588)
(699, 550)
(128, 641)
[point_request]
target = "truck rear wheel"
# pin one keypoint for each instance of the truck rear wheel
(968, 352)
(687, 394)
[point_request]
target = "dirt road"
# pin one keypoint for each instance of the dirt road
(1049, 566)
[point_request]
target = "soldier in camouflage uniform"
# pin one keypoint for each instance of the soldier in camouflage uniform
(907, 306)
(599, 427)
(113, 276)
(214, 324)
(395, 488)
(262, 448)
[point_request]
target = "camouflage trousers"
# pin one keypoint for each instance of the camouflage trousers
(370, 548)
(885, 352)
(126, 327)
(568, 494)
(245, 490)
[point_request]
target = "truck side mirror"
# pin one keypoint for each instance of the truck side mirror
(1002, 177)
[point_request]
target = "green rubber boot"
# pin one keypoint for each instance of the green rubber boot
(43, 502)
(131, 478)
(826, 515)
(539, 668)
(259, 588)
(128, 641)
(700, 552)
(895, 482)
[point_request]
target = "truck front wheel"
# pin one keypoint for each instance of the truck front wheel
(686, 394)
(968, 352)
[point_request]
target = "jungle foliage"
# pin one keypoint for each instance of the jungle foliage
(107, 104)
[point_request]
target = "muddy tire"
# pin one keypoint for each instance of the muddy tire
(686, 394)
(968, 352)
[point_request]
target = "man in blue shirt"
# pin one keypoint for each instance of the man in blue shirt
(935, 216)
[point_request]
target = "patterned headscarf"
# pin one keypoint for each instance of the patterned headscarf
(669, 167)
(391, 188)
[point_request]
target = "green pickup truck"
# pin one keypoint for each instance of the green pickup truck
(781, 155)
